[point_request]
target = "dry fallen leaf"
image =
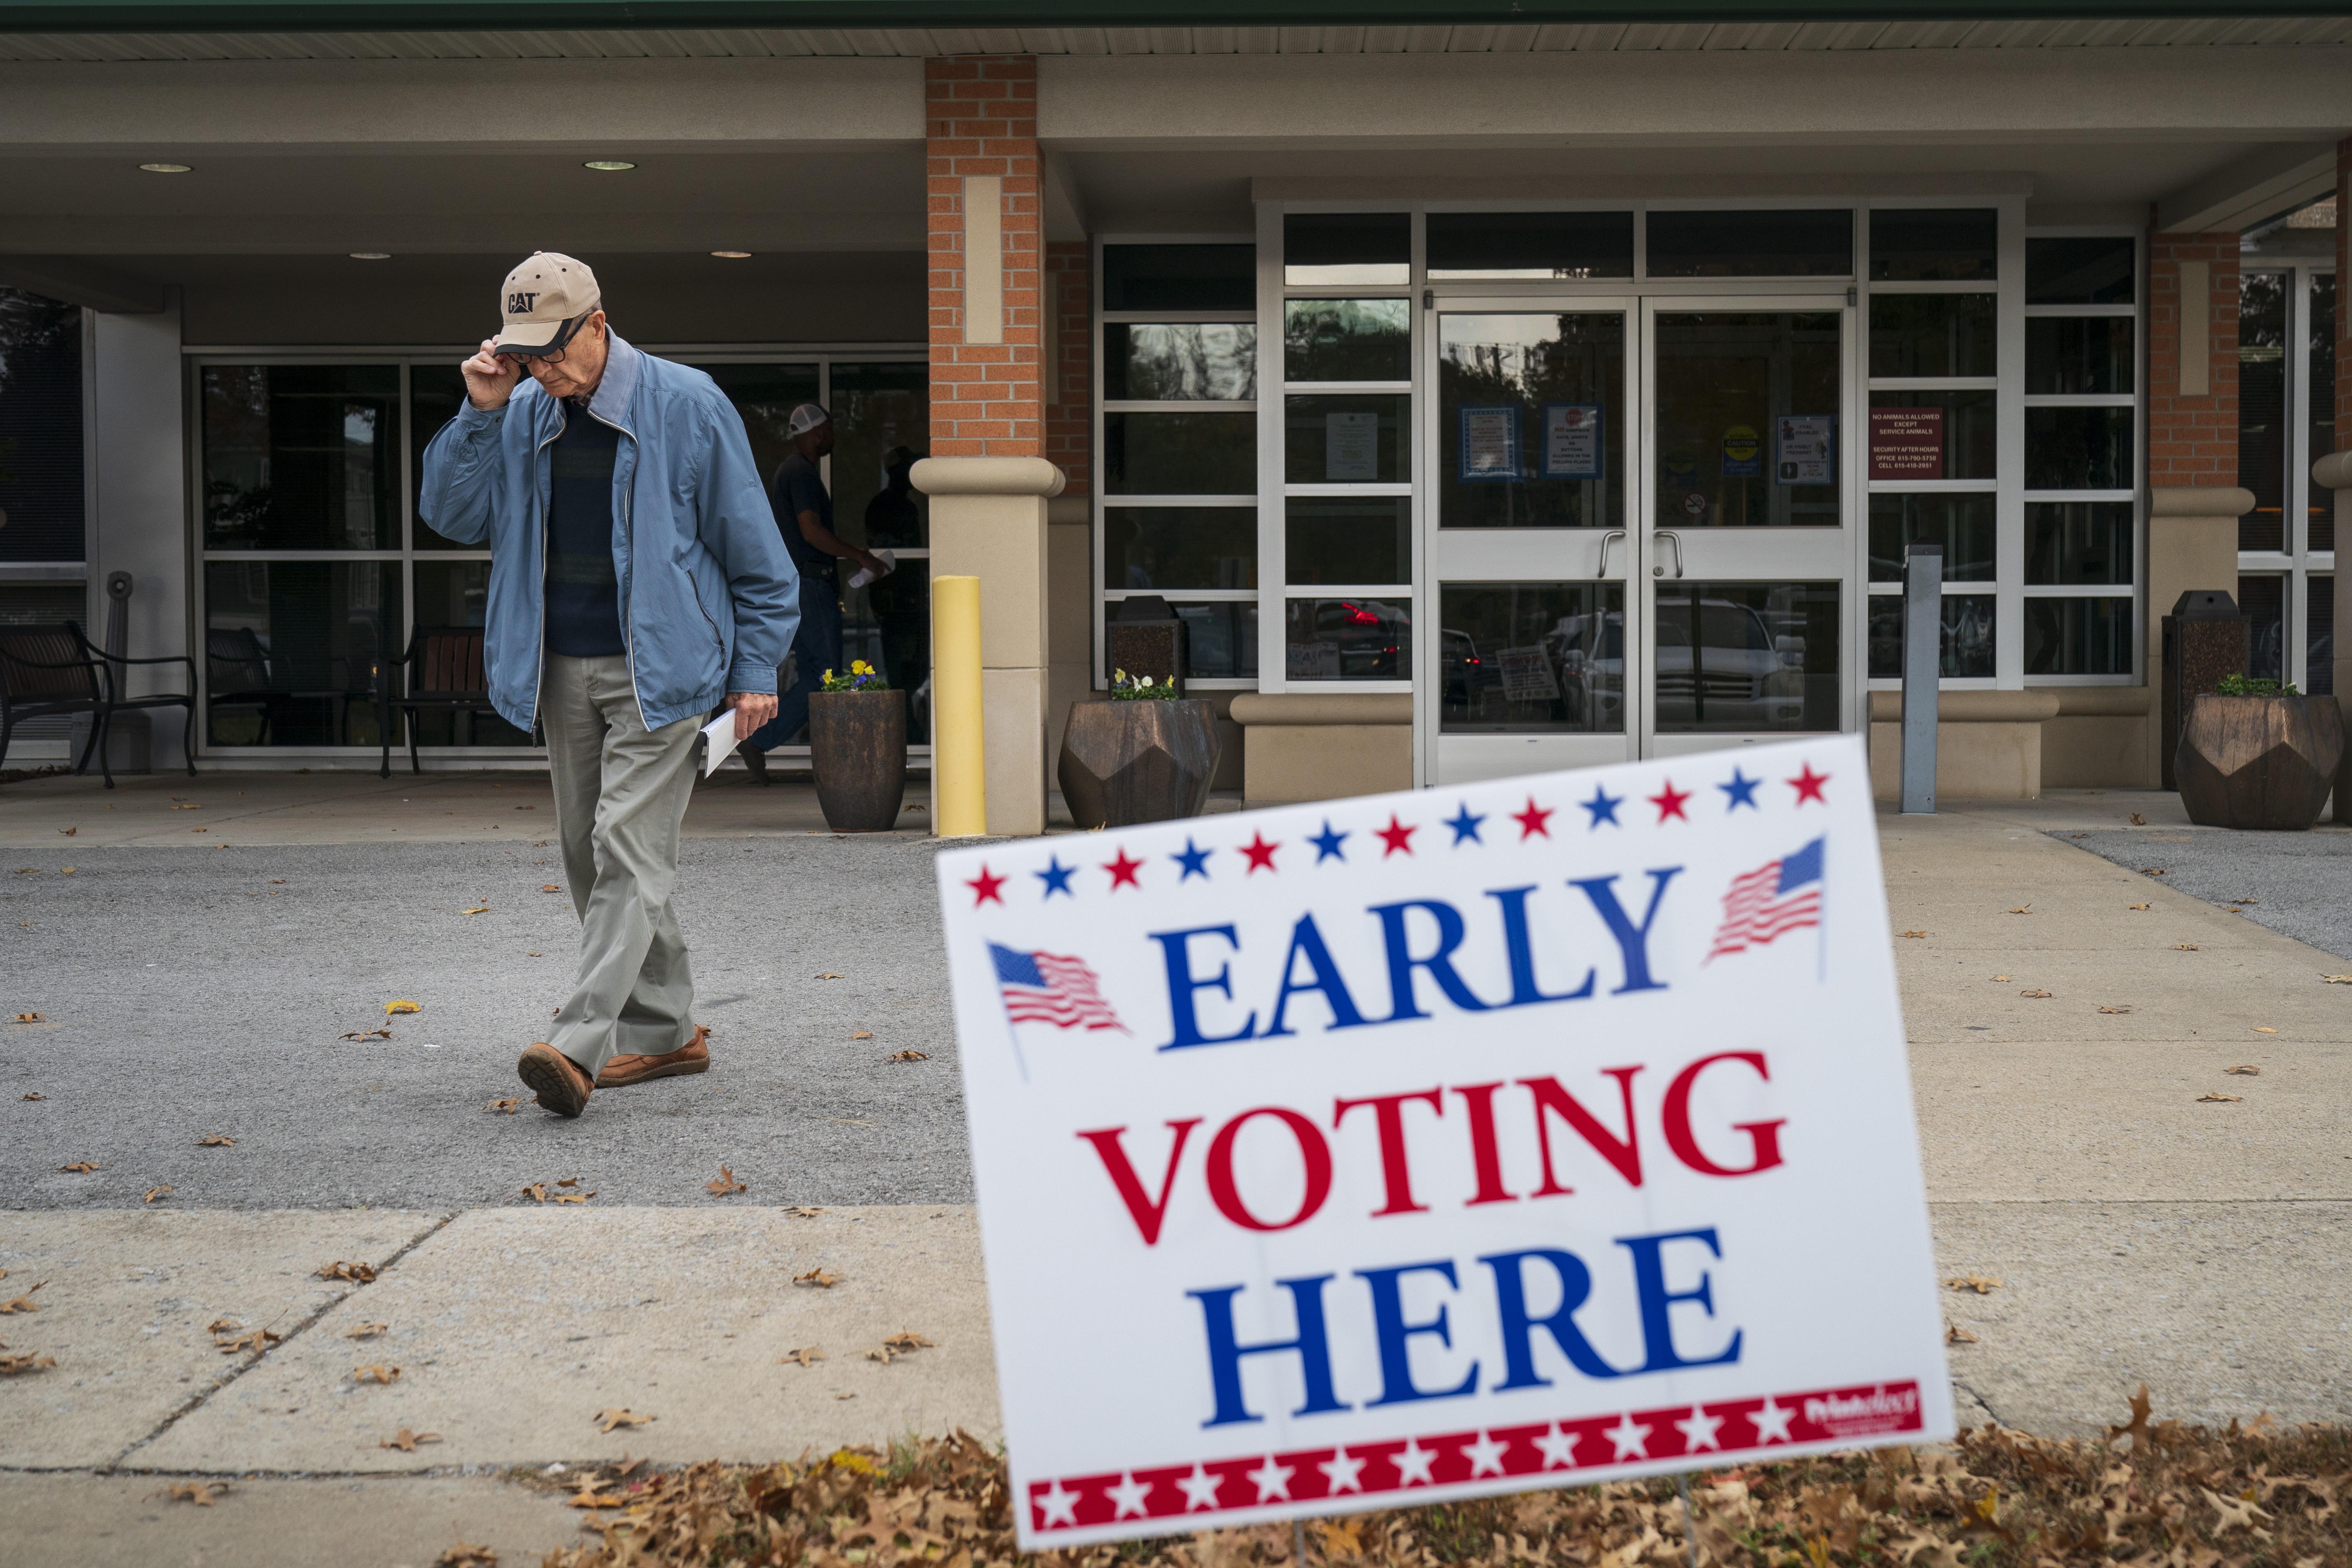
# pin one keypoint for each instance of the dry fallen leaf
(505, 1107)
(2336, 979)
(223, 1326)
(536, 1192)
(465, 1554)
(2184, 947)
(36, 1097)
(2259, 1030)
(2156, 872)
(1973, 1281)
(10, 1366)
(366, 1331)
(481, 910)
(607, 1420)
(32, 1019)
(215, 1141)
(804, 1211)
(357, 1273)
(154, 1192)
(259, 1341)
(2001, 977)
(807, 1355)
(844, 1396)
(375, 1375)
(407, 1440)
(367, 1035)
(725, 1184)
(2219, 1098)
(393, 1008)
(818, 1278)
(862, 1035)
(829, 977)
(2248, 1071)
(907, 1056)
(567, 1180)
(2137, 820)
(68, 831)
(574, 1197)
(2022, 910)
(551, 888)
(23, 1303)
(201, 1493)
(2035, 994)
(904, 1340)
(81, 1166)
(885, 1355)
(1956, 1335)
(1915, 934)
(2135, 906)
(2115, 1009)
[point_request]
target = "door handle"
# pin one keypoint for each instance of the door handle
(1612, 533)
(1676, 539)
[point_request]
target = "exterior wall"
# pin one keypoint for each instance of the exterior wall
(138, 500)
(1069, 363)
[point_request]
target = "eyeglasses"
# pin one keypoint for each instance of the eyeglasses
(555, 351)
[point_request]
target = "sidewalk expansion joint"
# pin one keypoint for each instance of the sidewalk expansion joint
(1983, 1403)
(199, 1400)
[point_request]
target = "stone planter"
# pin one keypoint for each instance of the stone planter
(1125, 763)
(858, 744)
(2258, 761)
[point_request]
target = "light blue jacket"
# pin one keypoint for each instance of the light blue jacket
(709, 599)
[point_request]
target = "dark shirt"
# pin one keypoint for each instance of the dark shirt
(583, 596)
(799, 488)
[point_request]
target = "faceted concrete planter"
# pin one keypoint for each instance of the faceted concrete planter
(858, 744)
(2258, 761)
(1124, 762)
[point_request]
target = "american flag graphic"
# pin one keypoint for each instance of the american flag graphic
(1047, 988)
(1777, 896)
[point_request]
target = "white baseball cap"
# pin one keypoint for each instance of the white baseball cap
(805, 418)
(538, 298)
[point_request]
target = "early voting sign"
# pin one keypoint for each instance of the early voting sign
(1380, 1151)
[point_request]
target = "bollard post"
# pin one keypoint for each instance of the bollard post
(959, 752)
(1922, 657)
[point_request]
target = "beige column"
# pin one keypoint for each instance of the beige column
(989, 521)
(2192, 543)
(2334, 472)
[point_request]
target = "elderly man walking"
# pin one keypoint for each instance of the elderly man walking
(636, 579)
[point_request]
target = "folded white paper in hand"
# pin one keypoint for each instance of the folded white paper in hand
(859, 578)
(721, 735)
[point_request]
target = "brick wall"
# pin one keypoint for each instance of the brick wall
(2192, 440)
(1069, 422)
(981, 118)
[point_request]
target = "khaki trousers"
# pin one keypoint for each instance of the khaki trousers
(620, 790)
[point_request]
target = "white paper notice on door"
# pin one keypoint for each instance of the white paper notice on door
(1351, 447)
(1490, 442)
(1526, 675)
(1805, 449)
(1571, 448)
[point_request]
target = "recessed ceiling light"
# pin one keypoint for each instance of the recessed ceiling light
(370, 256)
(732, 255)
(607, 165)
(165, 168)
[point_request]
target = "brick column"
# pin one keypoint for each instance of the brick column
(987, 474)
(2194, 497)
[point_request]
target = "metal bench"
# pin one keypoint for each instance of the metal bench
(53, 669)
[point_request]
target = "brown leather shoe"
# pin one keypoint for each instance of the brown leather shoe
(561, 1084)
(692, 1056)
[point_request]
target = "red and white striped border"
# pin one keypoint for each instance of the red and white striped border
(1738, 1428)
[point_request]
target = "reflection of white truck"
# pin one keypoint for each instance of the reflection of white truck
(1743, 676)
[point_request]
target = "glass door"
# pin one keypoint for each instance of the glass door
(1529, 458)
(1746, 534)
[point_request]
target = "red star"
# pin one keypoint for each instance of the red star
(1396, 836)
(984, 886)
(1669, 802)
(1809, 786)
(1531, 821)
(1260, 853)
(1122, 871)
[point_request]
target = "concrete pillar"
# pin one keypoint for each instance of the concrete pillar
(137, 501)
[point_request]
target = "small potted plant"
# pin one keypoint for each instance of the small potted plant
(858, 745)
(1146, 755)
(2257, 754)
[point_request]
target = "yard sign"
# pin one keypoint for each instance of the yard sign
(1418, 1146)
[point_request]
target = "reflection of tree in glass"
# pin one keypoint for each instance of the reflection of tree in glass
(1186, 362)
(1345, 340)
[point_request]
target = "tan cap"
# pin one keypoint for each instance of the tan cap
(539, 297)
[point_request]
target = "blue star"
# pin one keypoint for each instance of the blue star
(1193, 860)
(1742, 791)
(1603, 807)
(1327, 844)
(1465, 825)
(1056, 876)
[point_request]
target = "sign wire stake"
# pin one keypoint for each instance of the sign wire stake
(1690, 1531)
(1299, 1542)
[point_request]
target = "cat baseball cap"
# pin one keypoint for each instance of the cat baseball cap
(540, 298)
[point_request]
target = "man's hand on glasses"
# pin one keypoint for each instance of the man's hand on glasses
(491, 377)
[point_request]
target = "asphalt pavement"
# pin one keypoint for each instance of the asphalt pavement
(2297, 884)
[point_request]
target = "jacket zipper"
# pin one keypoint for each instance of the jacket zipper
(629, 531)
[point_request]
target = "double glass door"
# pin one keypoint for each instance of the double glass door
(1639, 529)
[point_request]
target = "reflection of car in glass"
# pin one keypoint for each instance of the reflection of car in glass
(1371, 637)
(1735, 673)
(1464, 674)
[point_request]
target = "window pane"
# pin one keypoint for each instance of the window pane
(2262, 408)
(2322, 407)
(1162, 547)
(1735, 656)
(1347, 248)
(41, 429)
(1948, 242)
(1220, 640)
(1347, 339)
(1531, 420)
(2078, 543)
(1179, 453)
(2078, 636)
(2079, 354)
(2263, 600)
(1348, 440)
(2078, 448)
(1179, 277)
(888, 623)
(1348, 639)
(2093, 272)
(1206, 362)
(1963, 525)
(1818, 243)
(881, 421)
(1531, 245)
(2319, 636)
(453, 594)
(1948, 436)
(291, 646)
(1532, 659)
(1338, 539)
(1964, 650)
(1931, 334)
(1746, 419)
(302, 456)
(435, 391)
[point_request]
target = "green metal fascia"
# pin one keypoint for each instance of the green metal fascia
(440, 15)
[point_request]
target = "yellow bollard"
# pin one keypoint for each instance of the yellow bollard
(959, 752)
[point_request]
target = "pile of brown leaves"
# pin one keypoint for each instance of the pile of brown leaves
(2161, 1495)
